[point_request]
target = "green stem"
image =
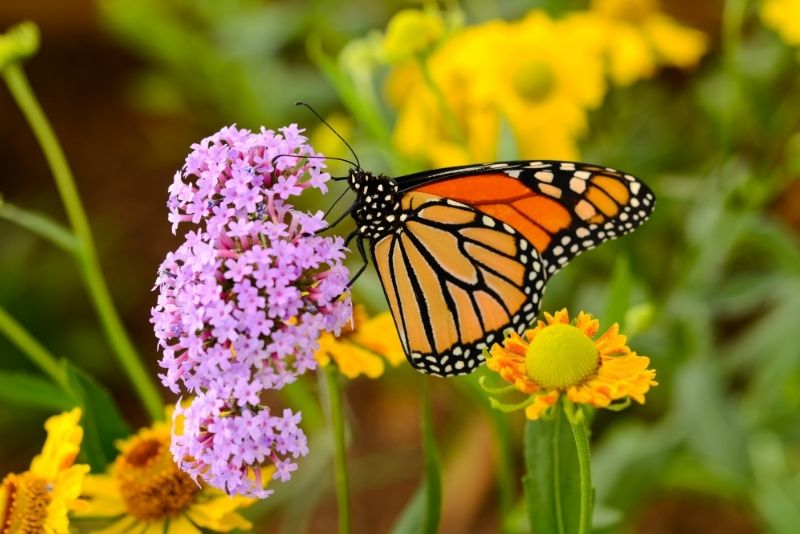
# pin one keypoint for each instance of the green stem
(579, 431)
(733, 17)
(433, 482)
(34, 350)
(339, 447)
(505, 467)
(557, 470)
(85, 254)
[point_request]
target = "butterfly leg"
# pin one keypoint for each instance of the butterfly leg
(363, 253)
(339, 219)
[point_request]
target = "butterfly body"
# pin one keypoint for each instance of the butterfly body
(463, 253)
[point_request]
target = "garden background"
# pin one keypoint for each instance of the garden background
(700, 102)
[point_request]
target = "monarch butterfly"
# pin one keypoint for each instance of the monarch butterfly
(463, 253)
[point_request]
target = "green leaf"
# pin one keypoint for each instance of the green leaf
(102, 421)
(552, 482)
(32, 391)
(41, 225)
(711, 418)
(619, 293)
(412, 518)
(423, 511)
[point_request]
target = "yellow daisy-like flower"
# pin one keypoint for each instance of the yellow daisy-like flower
(783, 16)
(638, 38)
(360, 345)
(546, 81)
(39, 499)
(559, 357)
(146, 492)
(536, 75)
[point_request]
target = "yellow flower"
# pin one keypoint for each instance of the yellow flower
(546, 81)
(783, 16)
(146, 492)
(559, 357)
(357, 350)
(39, 499)
(411, 32)
(638, 38)
(536, 76)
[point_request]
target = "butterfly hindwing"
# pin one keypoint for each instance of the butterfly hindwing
(455, 279)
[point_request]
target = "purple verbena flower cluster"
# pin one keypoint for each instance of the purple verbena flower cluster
(244, 299)
(248, 438)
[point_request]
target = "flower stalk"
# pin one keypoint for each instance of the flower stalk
(31, 347)
(338, 433)
(84, 253)
(577, 421)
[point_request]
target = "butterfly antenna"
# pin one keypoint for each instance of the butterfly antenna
(314, 111)
(311, 157)
(329, 210)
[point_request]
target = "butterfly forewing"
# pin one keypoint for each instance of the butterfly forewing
(562, 208)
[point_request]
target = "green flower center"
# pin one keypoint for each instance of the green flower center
(560, 356)
(534, 80)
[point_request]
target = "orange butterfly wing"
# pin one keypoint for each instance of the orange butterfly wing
(478, 243)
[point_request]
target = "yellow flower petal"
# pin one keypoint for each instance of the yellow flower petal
(541, 404)
(104, 499)
(182, 525)
(123, 526)
(361, 349)
(783, 16)
(676, 45)
(352, 360)
(379, 335)
(61, 446)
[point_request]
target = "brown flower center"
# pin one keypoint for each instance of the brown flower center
(152, 486)
(26, 500)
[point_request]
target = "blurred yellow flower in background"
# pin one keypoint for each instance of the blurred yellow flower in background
(546, 77)
(361, 348)
(638, 38)
(39, 499)
(535, 75)
(783, 16)
(411, 32)
(145, 491)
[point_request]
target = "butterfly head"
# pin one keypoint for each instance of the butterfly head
(377, 202)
